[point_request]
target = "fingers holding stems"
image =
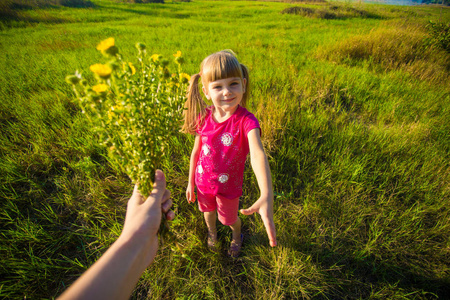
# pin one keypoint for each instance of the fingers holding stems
(162, 195)
(166, 205)
(157, 203)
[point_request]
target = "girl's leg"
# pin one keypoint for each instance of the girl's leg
(236, 242)
(210, 219)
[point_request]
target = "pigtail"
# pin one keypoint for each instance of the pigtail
(195, 107)
(245, 74)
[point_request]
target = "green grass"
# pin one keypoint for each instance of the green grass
(355, 125)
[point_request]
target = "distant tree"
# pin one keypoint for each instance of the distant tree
(443, 2)
(7, 5)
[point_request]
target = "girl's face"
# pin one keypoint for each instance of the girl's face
(225, 94)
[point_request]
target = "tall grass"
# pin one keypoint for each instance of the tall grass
(396, 46)
(354, 114)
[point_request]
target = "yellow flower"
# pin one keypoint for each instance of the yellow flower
(140, 46)
(106, 44)
(178, 59)
(72, 79)
(133, 69)
(184, 78)
(129, 68)
(103, 71)
(110, 114)
(100, 88)
(156, 57)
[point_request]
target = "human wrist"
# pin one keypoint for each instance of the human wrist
(140, 251)
(138, 238)
(131, 245)
(267, 194)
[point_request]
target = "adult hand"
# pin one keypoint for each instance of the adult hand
(264, 206)
(117, 271)
(143, 217)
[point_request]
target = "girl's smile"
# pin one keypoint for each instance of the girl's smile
(225, 94)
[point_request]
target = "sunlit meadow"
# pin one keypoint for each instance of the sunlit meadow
(354, 103)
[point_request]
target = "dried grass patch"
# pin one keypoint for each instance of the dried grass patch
(397, 46)
(328, 12)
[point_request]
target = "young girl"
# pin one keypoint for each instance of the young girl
(225, 133)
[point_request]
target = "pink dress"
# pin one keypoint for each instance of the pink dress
(224, 149)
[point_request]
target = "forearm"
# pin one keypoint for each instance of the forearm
(264, 205)
(115, 274)
(261, 168)
(194, 158)
(192, 166)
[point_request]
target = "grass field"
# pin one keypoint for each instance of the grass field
(354, 104)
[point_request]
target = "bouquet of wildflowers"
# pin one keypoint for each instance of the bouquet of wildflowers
(134, 108)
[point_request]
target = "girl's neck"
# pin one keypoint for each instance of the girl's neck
(220, 115)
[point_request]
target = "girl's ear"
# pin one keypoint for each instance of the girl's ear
(244, 84)
(205, 91)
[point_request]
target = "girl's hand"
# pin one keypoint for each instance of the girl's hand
(264, 206)
(190, 195)
(260, 165)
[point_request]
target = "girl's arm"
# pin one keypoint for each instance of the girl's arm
(260, 165)
(192, 165)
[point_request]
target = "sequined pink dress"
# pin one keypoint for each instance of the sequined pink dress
(224, 149)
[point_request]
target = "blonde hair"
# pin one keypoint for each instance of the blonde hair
(219, 65)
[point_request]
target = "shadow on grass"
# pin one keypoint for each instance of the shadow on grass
(129, 10)
(372, 271)
(148, 12)
(14, 11)
(14, 14)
